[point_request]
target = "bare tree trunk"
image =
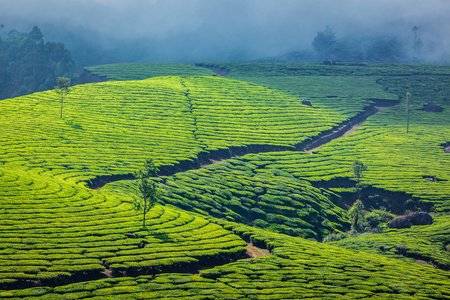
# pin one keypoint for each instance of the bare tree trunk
(62, 101)
(145, 210)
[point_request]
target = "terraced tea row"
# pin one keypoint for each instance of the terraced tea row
(428, 244)
(346, 96)
(244, 193)
(53, 232)
(108, 128)
(317, 69)
(111, 127)
(233, 113)
(299, 269)
(396, 162)
(139, 71)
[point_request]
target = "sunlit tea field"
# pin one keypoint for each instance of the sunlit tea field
(237, 175)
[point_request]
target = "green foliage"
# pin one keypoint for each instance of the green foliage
(377, 217)
(408, 110)
(138, 71)
(426, 243)
(356, 214)
(266, 198)
(148, 190)
(62, 87)
(358, 169)
(55, 230)
(324, 41)
(28, 65)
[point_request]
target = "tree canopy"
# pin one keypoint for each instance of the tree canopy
(28, 64)
(148, 191)
(324, 41)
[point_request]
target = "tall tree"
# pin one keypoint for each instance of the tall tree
(62, 87)
(417, 44)
(356, 214)
(148, 193)
(408, 110)
(358, 169)
(324, 41)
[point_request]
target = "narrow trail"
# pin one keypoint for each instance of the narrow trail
(252, 252)
(347, 131)
(208, 158)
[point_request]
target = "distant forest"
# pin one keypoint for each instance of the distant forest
(28, 64)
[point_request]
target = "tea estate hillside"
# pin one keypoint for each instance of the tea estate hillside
(244, 165)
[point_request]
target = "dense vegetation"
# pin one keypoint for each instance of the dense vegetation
(60, 239)
(135, 71)
(27, 64)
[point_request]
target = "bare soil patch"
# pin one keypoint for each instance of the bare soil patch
(255, 252)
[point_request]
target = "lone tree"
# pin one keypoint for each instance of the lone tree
(408, 110)
(417, 44)
(62, 87)
(356, 214)
(358, 169)
(324, 41)
(148, 191)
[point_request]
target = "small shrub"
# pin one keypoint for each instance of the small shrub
(335, 236)
(377, 217)
(260, 223)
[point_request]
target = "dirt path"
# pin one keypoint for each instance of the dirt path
(252, 252)
(205, 159)
(255, 252)
(343, 131)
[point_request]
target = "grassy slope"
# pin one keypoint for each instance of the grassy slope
(52, 231)
(43, 158)
(138, 71)
(382, 143)
(423, 242)
(298, 269)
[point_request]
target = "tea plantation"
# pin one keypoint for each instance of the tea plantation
(233, 171)
(135, 71)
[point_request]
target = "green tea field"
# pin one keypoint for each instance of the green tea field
(254, 185)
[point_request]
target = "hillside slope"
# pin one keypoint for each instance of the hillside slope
(61, 239)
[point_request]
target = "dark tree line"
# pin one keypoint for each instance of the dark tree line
(28, 64)
(383, 48)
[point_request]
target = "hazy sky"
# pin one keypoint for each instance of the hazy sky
(202, 27)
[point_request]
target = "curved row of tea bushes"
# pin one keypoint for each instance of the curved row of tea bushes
(239, 191)
(298, 269)
(233, 113)
(346, 96)
(317, 69)
(112, 127)
(397, 161)
(301, 268)
(54, 232)
(138, 71)
(107, 128)
(427, 243)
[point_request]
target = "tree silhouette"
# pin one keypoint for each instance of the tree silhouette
(358, 169)
(324, 41)
(62, 87)
(148, 191)
(408, 110)
(417, 44)
(356, 214)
